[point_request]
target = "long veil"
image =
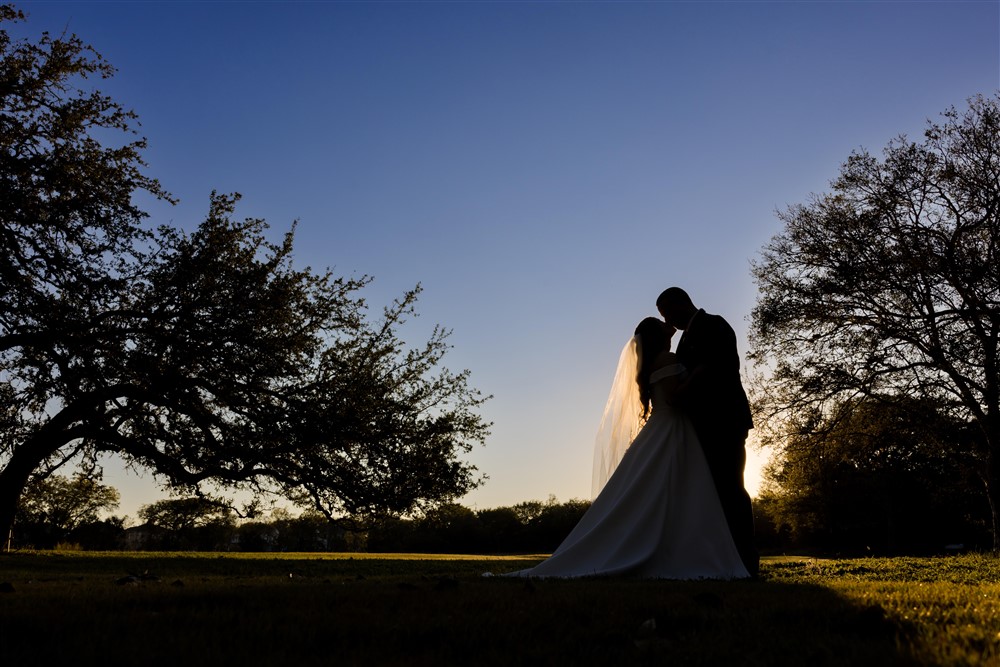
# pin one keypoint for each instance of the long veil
(622, 417)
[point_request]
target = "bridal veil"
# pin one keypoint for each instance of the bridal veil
(622, 416)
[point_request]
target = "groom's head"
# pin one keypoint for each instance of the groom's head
(676, 307)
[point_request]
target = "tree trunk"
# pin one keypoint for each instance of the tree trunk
(13, 479)
(991, 430)
(993, 489)
(28, 456)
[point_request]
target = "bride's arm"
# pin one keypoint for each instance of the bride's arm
(683, 388)
(675, 387)
(675, 383)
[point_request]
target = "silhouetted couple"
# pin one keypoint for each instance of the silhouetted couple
(669, 459)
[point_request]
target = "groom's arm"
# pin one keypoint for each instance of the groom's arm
(724, 356)
(717, 356)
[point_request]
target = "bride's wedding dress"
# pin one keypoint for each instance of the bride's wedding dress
(658, 515)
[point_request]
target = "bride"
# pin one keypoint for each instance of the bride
(656, 513)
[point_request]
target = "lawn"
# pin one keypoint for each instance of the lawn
(411, 609)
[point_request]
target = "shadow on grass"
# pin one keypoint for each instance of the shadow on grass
(681, 623)
(214, 610)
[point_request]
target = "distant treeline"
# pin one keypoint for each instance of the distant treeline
(529, 527)
(830, 507)
(193, 525)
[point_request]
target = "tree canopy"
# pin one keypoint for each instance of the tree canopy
(54, 507)
(877, 476)
(207, 356)
(889, 286)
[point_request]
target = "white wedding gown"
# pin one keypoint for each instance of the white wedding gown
(658, 516)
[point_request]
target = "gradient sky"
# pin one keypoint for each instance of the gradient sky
(543, 169)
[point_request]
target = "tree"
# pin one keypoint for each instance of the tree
(195, 522)
(890, 286)
(501, 530)
(185, 513)
(449, 528)
(206, 356)
(887, 476)
(58, 505)
(545, 531)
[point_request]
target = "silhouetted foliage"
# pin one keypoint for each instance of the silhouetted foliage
(202, 524)
(547, 524)
(530, 527)
(192, 523)
(889, 286)
(61, 509)
(885, 477)
(185, 513)
(104, 535)
(501, 530)
(205, 356)
(310, 531)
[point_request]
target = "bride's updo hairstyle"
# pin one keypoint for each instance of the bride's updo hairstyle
(653, 338)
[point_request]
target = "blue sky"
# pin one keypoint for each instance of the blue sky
(543, 169)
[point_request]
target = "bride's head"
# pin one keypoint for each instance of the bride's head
(653, 337)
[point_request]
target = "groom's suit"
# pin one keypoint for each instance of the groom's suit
(717, 405)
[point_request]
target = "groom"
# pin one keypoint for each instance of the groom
(714, 399)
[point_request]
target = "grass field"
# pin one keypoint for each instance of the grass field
(409, 609)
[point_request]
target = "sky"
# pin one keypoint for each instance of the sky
(542, 169)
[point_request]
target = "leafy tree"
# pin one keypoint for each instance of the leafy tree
(890, 286)
(205, 356)
(310, 531)
(532, 526)
(186, 513)
(543, 525)
(52, 508)
(450, 528)
(68, 231)
(501, 530)
(194, 522)
(878, 476)
(104, 535)
(546, 530)
(393, 534)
